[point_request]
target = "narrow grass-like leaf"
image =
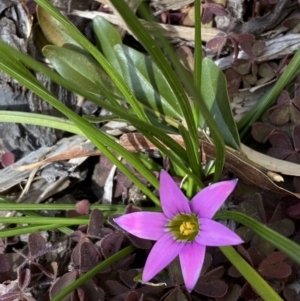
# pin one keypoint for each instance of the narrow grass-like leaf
(159, 58)
(197, 55)
(282, 243)
(93, 272)
(256, 112)
(11, 206)
(255, 280)
(53, 30)
(175, 152)
(41, 120)
(44, 220)
(148, 42)
(194, 159)
(214, 94)
(79, 68)
(107, 37)
(88, 46)
(147, 82)
(100, 139)
(28, 229)
(24, 208)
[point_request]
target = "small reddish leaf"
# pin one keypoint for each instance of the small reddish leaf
(61, 284)
(214, 289)
(285, 227)
(176, 295)
(250, 79)
(274, 267)
(89, 256)
(280, 116)
(264, 70)
(294, 114)
(36, 244)
(253, 208)
(261, 131)
(294, 211)
(95, 228)
(233, 79)
(241, 66)
(24, 278)
(283, 98)
(217, 43)
(10, 296)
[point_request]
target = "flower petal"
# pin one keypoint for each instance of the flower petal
(208, 201)
(163, 252)
(147, 225)
(191, 260)
(172, 199)
(214, 234)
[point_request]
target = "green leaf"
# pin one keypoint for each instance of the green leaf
(214, 93)
(193, 157)
(280, 242)
(147, 82)
(87, 45)
(264, 103)
(173, 78)
(79, 68)
(107, 37)
(260, 285)
(102, 141)
(53, 30)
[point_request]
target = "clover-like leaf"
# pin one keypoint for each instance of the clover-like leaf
(211, 9)
(274, 266)
(262, 131)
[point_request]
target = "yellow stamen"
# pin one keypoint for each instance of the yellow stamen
(187, 228)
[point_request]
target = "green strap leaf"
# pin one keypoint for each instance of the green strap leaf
(107, 37)
(255, 280)
(282, 243)
(214, 94)
(147, 82)
(263, 104)
(53, 30)
(79, 68)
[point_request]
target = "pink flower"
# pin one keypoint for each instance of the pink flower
(184, 228)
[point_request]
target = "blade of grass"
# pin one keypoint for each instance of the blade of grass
(100, 139)
(282, 243)
(265, 102)
(93, 272)
(87, 45)
(150, 45)
(41, 120)
(255, 280)
(197, 55)
(11, 205)
(44, 220)
(30, 229)
(148, 130)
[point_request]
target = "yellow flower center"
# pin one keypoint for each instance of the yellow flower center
(184, 227)
(187, 228)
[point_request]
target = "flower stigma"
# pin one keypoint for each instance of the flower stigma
(184, 227)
